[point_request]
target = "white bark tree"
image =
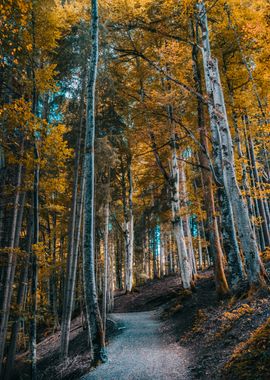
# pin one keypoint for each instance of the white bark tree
(223, 145)
(93, 312)
(184, 263)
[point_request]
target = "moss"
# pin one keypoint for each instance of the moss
(251, 359)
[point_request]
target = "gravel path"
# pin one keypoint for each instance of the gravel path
(142, 352)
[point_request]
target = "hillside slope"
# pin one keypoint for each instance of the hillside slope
(208, 331)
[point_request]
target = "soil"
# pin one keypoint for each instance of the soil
(196, 329)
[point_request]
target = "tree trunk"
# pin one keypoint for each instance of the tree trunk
(118, 262)
(186, 226)
(171, 264)
(20, 302)
(89, 209)
(254, 211)
(222, 138)
(258, 190)
(128, 226)
(131, 231)
(75, 231)
(111, 276)
(228, 231)
(11, 264)
(34, 269)
(106, 266)
(162, 252)
(184, 264)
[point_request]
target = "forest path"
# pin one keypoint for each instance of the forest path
(143, 351)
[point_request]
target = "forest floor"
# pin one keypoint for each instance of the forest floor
(160, 325)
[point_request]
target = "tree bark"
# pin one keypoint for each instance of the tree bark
(89, 209)
(228, 227)
(75, 231)
(128, 225)
(11, 264)
(34, 269)
(186, 226)
(106, 266)
(20, 302)
(162, 253)
(184, 264)
(221, 130)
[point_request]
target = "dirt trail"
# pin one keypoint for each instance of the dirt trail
(143, 351)
(167, 333)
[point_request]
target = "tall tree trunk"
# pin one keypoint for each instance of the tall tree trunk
(184, 264)
(255, 209)
(11, 264)
(245, 185)
(220, 128)
(184, 198)
(200, 252)
(89, 207)
(128, 226)
(34, 264)
(228, 232)
(171, 264)
(75, 231)
(111, 276)
(162, 252)
(131, 230)
(20, 302)
(106, 266)
(34, 269)
(257, 184)
(52, 279)
(118, 262)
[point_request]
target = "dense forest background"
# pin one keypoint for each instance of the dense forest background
(181, 146)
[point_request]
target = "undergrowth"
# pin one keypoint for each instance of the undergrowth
(251, 359)
(229, 318)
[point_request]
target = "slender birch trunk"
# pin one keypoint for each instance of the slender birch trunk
(147, 255)
(162, 253)
(118, 263)
(128, 226)
(253, 208)
(34, 269)
(260, 200)
(88, 320)
(75, 231)
(53, 276)
(111, 275)
(20, 304)
(171, 265)
(131, 231)
(89, 207)
(106, 267)
(252, 158)
(34, 263)
(184, 198)
(10, 273)
(200, 252)
(184, 264)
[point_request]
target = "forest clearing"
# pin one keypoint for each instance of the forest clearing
(134, 189)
